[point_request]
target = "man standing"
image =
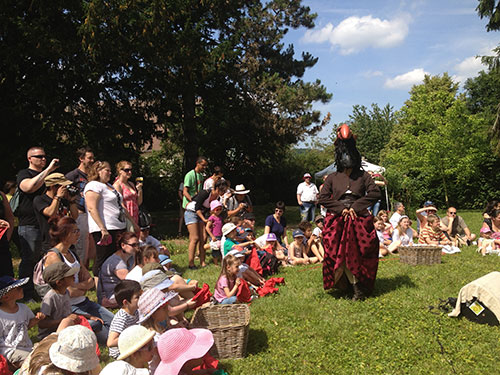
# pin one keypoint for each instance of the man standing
(31, 183)
(79, 179)
(399, 211)
(456, 228)
(307, 196)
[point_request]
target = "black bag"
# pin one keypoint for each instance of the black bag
(269, 263)
(145, 219)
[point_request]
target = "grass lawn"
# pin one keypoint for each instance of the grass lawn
(305, 330)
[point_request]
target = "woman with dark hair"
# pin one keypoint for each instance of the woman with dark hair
(116, 268)
(487, 212)
(493, 222)
(107, 213)
(349, 237)
(196, 217)
(276, 223)
(64, 233)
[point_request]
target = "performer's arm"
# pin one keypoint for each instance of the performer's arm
(372, 194)
(326, 200)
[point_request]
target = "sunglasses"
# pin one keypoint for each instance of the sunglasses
(133, 244)
(127, 170)
(39, 156)
(452, 213)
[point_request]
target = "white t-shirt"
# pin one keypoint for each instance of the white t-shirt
(308, 193)
(123, 368)
(405, 238)
(108, 207)
(394, 220)
(14, 330)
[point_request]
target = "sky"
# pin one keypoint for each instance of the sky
(374, 51)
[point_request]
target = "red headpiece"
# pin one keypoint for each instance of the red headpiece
(344, 132)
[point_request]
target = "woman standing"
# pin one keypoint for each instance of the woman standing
(132, 195)
(349, 237)
(107, 213)
(64, 233)
(196, 217)
(276, 223)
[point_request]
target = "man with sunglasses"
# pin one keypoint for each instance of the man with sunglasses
(456, 229)
(31, 183)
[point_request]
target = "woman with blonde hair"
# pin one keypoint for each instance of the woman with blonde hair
(132, 194)
(107, 213)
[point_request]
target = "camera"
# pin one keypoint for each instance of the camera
(72, 190)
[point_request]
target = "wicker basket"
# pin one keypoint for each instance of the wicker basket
(420, 254)
(229, 325)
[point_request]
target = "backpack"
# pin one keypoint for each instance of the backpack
(14, 201)
(145, 219)
(269, 264)
(41, 286)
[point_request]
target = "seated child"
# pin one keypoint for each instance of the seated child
(297, 251)
(214, 230)
(488, 243)
(310, 242)
(432, 234)
(127, 294)
(229, 231)
(228, 282)
(182, 351)
(56, 303)
(379, 227)
(137, 347)
(146, 239)
(15, 321)
(245, 271)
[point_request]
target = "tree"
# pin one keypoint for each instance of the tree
(373, 128)
(437, 149)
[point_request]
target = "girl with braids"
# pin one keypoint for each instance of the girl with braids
(349, 237)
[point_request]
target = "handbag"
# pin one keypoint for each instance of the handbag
(14, 201)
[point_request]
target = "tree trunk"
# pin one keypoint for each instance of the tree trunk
(189, 126)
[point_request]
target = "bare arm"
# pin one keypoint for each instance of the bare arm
(30, 185)
(139, 193)
(267, 229)
(285, 237)
(121, 274)
(299, 201)
(185, 192)
(232, 292)
(208, 228)
(112, 339)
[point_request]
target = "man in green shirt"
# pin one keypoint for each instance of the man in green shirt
(193, 181)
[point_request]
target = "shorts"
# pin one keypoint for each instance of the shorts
(191, 217)
(216, 254)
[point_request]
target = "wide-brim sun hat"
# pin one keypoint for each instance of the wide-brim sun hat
(132, 339)
(240, 189)
(179, 345)
(228, 228)
(7, 283)
(151, 300)
(155, 279)
(74, 349)
(57, 179)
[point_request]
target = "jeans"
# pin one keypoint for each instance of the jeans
(375, 208)
(228, 301)
(31, 245)
(307, 210)
(94, 309)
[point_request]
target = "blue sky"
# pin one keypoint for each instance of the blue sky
(373, 51)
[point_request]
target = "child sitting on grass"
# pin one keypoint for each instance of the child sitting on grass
(56, 303)
(309, 241)
(379, 225)
(214, 230)
(432, 234)
(127, 294)
(229, 231)
(15, 321)
(488, 243)
(297, 253)
(228, 282)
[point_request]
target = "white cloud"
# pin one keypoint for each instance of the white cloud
(357, 33)
(468, 68)
(406, 80)
(372, 73)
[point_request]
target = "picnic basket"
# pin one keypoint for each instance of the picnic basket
(419, 254)
(229, 324)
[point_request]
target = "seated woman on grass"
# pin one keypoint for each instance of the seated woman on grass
(402, 235)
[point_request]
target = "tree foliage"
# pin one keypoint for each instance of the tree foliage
(373, 128)
(438, 149)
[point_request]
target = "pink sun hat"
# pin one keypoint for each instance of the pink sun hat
(215, 204)
(179, 345)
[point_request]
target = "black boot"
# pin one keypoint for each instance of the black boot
(359, 294)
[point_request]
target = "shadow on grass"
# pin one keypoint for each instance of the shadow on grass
(385, 285)
(257, 341)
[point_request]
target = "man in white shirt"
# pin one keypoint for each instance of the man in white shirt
(396, 216)
(307, 196)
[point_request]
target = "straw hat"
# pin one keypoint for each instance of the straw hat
(150, 301)
(74, 349)
(179, 345)
(132, 339)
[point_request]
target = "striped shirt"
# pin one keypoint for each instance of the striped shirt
(121, 321)
(428, 233)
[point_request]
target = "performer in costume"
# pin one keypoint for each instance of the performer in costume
(349, 237)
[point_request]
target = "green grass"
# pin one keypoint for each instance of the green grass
(305, 330)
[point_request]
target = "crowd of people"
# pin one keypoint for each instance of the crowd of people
(67, 222)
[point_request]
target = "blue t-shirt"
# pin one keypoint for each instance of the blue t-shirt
(277, 228)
